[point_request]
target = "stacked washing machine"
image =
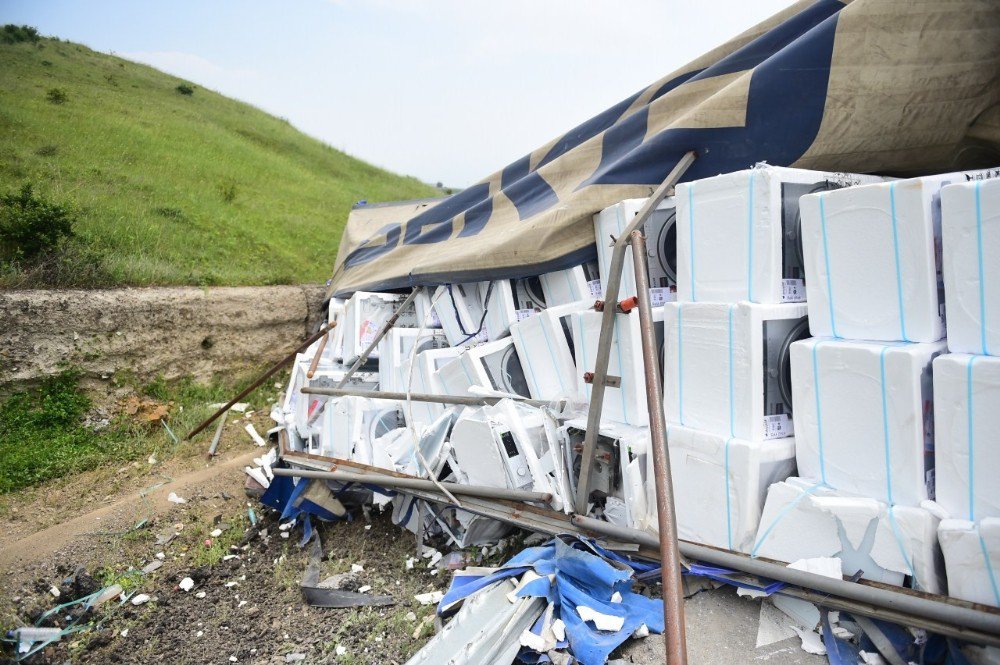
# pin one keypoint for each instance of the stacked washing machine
(727, 346)
(864, 392)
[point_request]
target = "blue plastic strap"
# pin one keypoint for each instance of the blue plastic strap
(972, 440)
(732, 410)
(895, 249)
(750, 237)
(982, 280)
(781, 515)
(902, 550)
(989, 568)
(729, 513)
(680, 363)
(826, 261)
(885, 430)
(691, 233)
(819, 414)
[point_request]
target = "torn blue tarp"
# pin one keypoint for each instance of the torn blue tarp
(575, 572)
(285, 494)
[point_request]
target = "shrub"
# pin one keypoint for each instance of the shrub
(185, 89)
(48, 150)
(30, 225)
(228, 191)
(15, 34)
(57, 96)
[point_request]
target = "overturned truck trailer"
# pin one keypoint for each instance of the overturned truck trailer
(711, 318)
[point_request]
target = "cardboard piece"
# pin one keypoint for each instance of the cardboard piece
(970, 240)
(803, 519)
(738, 234)
(726, 367)
(967, 457)
(863, 416)
(720, 484)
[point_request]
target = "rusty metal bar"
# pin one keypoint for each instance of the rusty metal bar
(318, 355)
(263, 377)
(947, 616)
(418, 483)
(461, 400)
(940, 614)
(670, 560)
(390, 322)
(607, 329)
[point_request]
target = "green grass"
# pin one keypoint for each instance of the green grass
(168, 187)
(43, 432)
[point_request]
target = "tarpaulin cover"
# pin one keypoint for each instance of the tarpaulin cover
(865, 86)
(577, 572)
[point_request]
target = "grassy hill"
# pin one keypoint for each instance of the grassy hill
(170, 183)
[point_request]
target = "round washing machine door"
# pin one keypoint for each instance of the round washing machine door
(797, 332)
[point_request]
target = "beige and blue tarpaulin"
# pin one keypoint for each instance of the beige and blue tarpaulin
(867, 86)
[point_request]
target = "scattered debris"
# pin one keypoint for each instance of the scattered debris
(140, 599)
(252, 431)
(174, 498)
(186, 584)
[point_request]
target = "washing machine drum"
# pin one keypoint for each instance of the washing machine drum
(666, 247)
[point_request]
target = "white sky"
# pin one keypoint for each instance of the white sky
(446, 90)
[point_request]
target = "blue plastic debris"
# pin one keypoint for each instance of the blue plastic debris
(575, 572)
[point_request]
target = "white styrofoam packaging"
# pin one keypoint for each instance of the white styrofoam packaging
(364, 316)
(720, 484)
(426, 364)
(873, 260)
(970, 247)
(967, 434)
(661, 248)
(738, 233)
(864, 416)
(395, 351)
(545, 346)
(725, 367)
(625, 403)
(802, 519)
(972, 559)
(581, 282)
(459, 312)
(493, 366)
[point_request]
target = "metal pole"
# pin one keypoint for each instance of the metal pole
(904, 604)
(976, 625)
(461, 400)
(607, 329)
(318, 355)
(390, 322)
(216, 438)
(673, 588)
(417, 483)
(264, 377)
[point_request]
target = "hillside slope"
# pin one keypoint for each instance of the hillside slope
(167, 187)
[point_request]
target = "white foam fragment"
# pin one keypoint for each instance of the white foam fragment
(186, 584)
(357, 568)
(252, 431)
(601, 621)
(824, 565)
(429, 598)
(139, 599)
(811, 642)
(174, 498)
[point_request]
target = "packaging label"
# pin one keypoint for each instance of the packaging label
(595, 287)
(522, 314)
(778, 426)
(661, 295)
(793, 290)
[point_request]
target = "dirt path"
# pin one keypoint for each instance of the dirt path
(17, 550)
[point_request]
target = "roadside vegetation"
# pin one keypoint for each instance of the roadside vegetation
(55, 429)
(166, 183)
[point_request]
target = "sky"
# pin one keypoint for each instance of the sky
(445, 90)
